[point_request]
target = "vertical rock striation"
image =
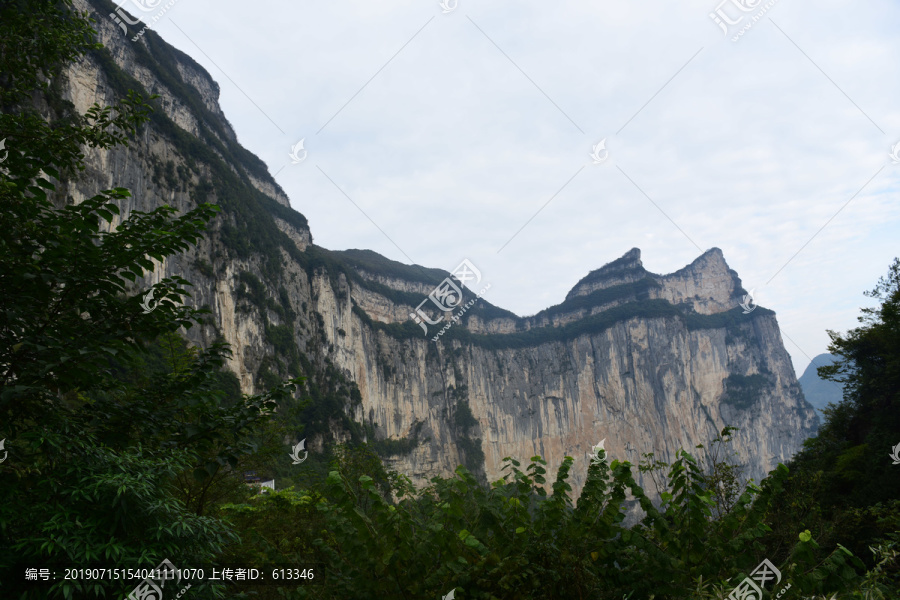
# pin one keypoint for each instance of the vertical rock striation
(650, 362)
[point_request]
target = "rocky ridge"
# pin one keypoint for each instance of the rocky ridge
(649, 362)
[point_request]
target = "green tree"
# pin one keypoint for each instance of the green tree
(96, 440)
(843, 488)
(856, 440)
(524, 538)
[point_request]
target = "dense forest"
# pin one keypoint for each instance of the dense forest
(125, 447)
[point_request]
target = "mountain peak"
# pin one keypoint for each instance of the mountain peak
(626, 269)
(632, 256)
(712, 263)
(707, 283)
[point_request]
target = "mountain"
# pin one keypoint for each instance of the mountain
(820, 392)
(650, 362)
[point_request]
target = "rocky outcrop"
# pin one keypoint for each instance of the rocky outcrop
(676, 361)
(650, 362)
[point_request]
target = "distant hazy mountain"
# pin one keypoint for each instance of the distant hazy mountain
(820, 392)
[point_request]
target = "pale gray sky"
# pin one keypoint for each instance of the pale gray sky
(451, 131)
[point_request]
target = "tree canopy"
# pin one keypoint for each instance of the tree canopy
(124, 444)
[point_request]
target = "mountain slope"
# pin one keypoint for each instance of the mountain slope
(820, 392)
(649, 362)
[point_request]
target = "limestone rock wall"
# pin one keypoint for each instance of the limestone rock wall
(645, 383)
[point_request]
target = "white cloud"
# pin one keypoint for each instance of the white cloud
(450, 149)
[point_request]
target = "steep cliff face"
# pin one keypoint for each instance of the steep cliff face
(649, 362)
